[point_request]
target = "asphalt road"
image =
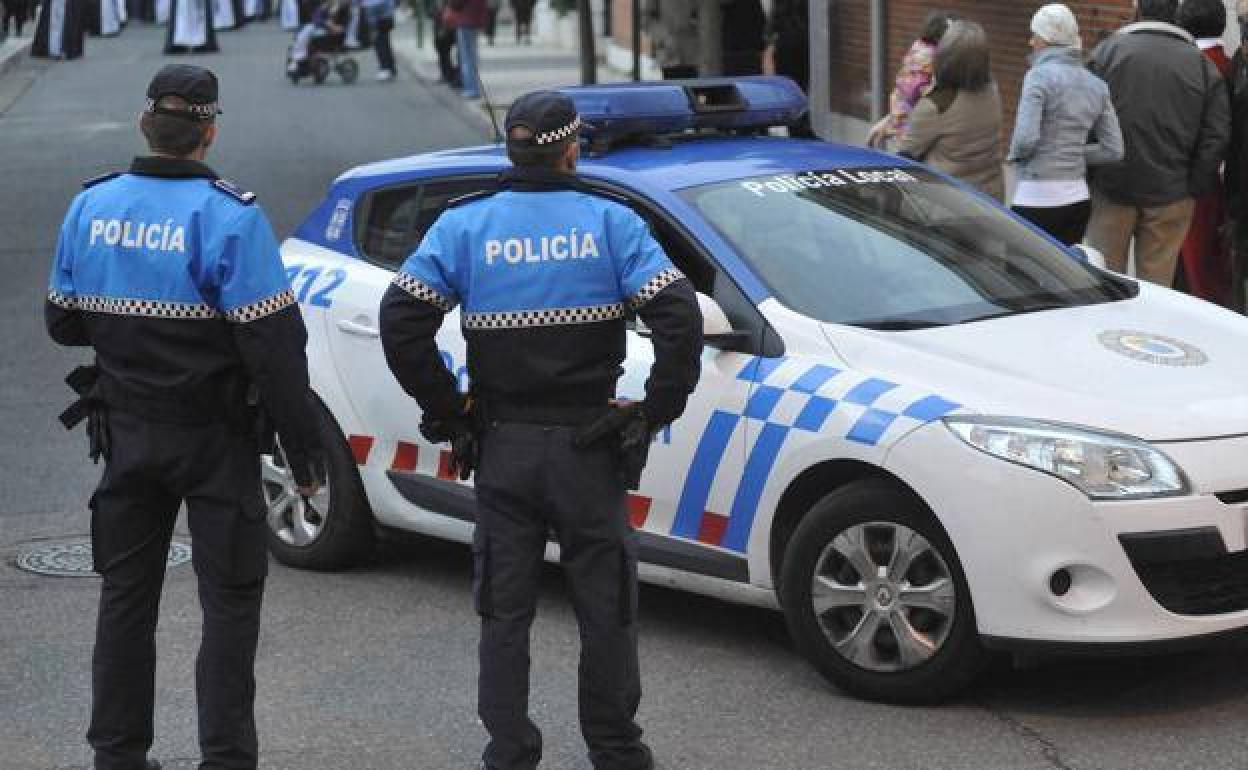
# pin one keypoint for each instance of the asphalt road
(375, 668)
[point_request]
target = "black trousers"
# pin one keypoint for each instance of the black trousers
(152, 468)
(533, 482)
(444, 43)
(14, 10)
(1065, 223)
(381, 42)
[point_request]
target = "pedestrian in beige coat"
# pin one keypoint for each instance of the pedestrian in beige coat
(956, 127)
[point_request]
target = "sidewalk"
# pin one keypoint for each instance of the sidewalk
(12, 52)
(508, 70)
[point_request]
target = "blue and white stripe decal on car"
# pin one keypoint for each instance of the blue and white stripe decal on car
(805, 403)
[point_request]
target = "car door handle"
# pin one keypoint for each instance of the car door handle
(358, 329)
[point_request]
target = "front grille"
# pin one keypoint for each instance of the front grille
(1186, 574)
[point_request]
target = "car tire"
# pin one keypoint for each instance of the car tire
(889, 636)
(332, 530)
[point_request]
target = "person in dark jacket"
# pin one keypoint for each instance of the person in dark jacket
(788, 36)
(1174, 113)
(1204, 268)
(443, 43)
(173, 277)
(557, 452)
(523, 10)
(743, 37)
(61, 29)
(1237, 163)
(15, 11)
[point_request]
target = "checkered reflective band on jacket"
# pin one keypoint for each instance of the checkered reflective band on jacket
(174, 281)
(545, 280)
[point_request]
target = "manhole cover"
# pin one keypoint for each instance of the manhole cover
(72, 558)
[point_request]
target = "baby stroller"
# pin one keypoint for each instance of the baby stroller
(326, 53)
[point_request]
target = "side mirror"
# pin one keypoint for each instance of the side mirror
(717, 331)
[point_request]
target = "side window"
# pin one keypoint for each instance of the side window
(435, 198)
(398, 218)
(387, 227)
(695, 268)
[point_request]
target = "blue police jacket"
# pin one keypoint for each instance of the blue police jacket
(174, 277)
(545, 274)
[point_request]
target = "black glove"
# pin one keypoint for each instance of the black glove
(460, 432)
(633, 433)
(308, 465)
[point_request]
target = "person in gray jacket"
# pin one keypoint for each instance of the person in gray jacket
(1061, 105)
(1175, 115)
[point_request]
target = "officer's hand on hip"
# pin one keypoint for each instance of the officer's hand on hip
(316, 464)
(308, 490)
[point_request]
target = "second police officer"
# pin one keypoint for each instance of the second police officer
(545, 272)
(173, 276)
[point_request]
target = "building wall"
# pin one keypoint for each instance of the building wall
(848, 27)
(1008, 27)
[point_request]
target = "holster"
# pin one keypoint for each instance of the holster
(635, 441)
(463, 433)
(90, 407)
(631, 430)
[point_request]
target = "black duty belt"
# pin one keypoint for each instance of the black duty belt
(537, 414)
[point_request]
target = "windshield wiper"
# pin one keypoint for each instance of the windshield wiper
(898, 324)
(1019, 311)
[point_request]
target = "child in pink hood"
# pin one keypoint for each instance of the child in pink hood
(913, 80)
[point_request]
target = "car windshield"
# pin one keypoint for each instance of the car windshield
(895, 249)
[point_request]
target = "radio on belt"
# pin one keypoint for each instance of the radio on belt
(618, 111)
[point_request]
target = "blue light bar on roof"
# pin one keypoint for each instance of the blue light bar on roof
(619, 110)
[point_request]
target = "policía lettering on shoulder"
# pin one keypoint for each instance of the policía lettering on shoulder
(154, 236)
(543, 248)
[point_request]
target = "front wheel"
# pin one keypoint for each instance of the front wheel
(332, 529)
(320, 69)
(875, 597)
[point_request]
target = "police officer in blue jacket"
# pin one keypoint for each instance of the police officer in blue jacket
(173, 276)
(545, 272)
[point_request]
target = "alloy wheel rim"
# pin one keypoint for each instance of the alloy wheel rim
(883, 596)
(297, 521)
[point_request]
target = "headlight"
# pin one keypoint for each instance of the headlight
(1104, 466)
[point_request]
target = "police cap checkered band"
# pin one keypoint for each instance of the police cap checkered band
(196, 86)
(549, 116)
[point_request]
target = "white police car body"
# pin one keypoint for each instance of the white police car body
(923, 429)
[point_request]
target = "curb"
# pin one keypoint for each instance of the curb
(13, 58)
(472, 113)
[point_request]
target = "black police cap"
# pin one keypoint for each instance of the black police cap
(549, 116)
(196, 85)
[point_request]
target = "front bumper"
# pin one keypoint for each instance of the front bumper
(1047, 565)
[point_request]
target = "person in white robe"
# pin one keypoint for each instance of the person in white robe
(190, 27)
(60, 31)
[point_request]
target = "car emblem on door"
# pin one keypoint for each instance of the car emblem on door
(1153, 348)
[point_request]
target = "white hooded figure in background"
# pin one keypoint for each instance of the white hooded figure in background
(110, 24)
(190, 27)
(223, 15)
(289, 12)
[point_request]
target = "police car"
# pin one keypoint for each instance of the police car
(923, 430)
